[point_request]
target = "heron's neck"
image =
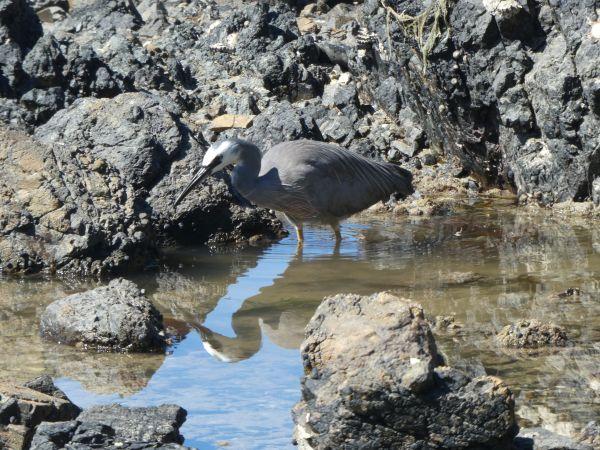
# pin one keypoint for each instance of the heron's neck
(245, 172)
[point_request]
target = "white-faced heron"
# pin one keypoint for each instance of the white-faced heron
(308, 181)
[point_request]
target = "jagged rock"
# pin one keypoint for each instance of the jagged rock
(20, 28)
(281, 122)
(532, 333)
(115, 426)
(22, 408)
(94, 193)
(530, 66)
(338, 94)
(374, 379)
(114, 317)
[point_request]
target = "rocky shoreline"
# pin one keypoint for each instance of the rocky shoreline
(40, 416)
(108, 105)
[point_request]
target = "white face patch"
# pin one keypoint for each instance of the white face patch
(226, 150)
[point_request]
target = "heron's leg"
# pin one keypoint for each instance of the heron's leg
(298, 226)
(338, 233)
(299, 233)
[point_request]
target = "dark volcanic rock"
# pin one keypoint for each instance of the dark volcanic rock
(153, 424)
(114, 317)
(123, 95)
(374, 379)
(22, 408)
(94, 193)
(510, 87)
(19, 30)
(115, 426)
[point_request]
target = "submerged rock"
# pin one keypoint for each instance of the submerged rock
(374, 379)
(542, 439)
(531, 333)
(115, 317)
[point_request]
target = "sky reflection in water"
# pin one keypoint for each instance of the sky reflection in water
(250, 308)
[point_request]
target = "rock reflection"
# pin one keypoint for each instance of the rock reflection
(25, 355)
(102, 373)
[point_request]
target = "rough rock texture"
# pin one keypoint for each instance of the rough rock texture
(96, 434)
(374, 379)
(508, 96)
(114, 317)
(541, 439)
(39, 416)
(93, 193)
(153, 424)
(22, 408)
(510, 87)
(115, 426)
(531, 333)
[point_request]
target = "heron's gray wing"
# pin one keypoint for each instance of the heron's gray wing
(271, 192)
(335, 182)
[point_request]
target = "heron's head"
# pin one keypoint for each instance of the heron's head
(217, 157)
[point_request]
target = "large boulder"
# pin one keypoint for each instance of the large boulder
(114, 317)
(93, 192)
(374, 379)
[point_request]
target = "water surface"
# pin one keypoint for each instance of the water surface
(243, 313)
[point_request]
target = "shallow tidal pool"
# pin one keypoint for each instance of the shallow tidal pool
(242, 314)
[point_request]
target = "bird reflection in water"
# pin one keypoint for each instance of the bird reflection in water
(281, 310)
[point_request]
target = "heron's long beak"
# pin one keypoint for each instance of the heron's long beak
(200, 176)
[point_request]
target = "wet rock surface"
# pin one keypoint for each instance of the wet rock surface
(374, 379)
(532, 333)
(115, 317)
